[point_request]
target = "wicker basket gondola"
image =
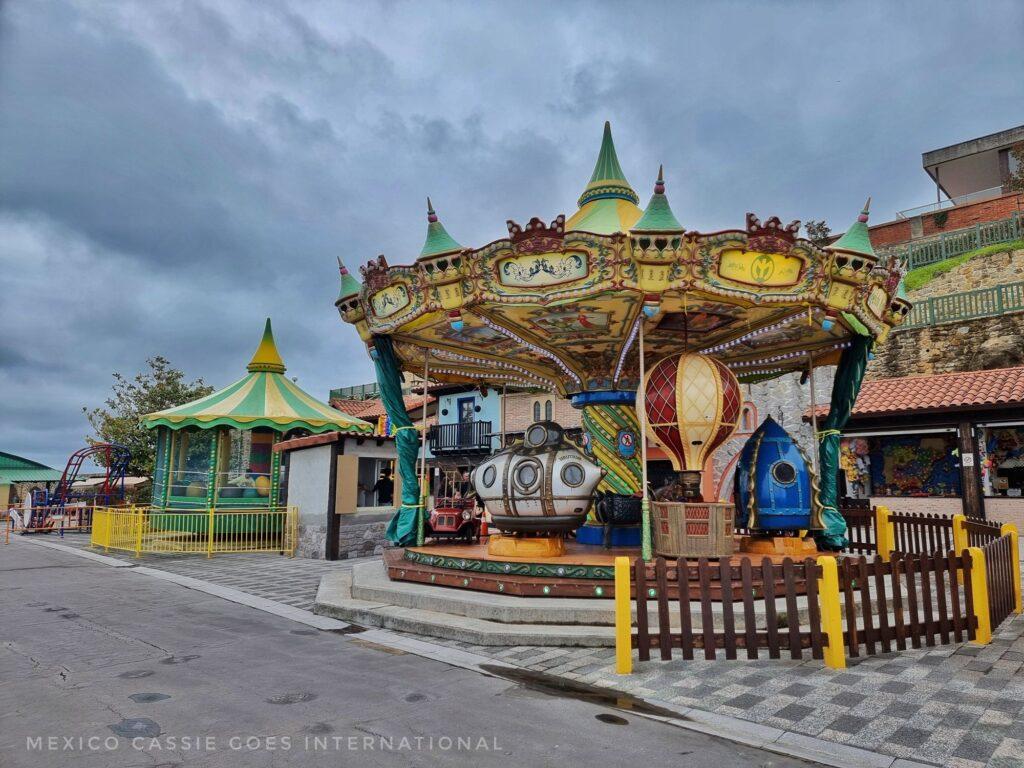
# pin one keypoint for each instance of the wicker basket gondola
(692, 529)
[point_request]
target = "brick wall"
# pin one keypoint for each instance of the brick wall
(519, 410)
(904, 230)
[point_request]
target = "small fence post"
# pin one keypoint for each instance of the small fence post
(831, 613)
(979, 593)
(209, 533)
(623, 619)
(1011, 530)
(137, 517)
(885, 536)
(959, 533)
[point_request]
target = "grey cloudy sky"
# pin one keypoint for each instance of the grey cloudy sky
(173, 172)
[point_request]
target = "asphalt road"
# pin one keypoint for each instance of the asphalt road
(104, 667)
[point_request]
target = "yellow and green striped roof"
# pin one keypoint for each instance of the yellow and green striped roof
(263, 398)
(608, 204)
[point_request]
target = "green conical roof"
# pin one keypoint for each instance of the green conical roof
(438, 240)
(857, 239)
(349, 284)
(608, 180)
(264, 397)
(658, 216)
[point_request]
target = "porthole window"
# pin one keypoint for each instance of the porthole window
(527, 476)
(488, 477)
(572, 475)
(784, 473)
(536, 435)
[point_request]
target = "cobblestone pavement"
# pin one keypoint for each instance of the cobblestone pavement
(288, 580)
(955, 705)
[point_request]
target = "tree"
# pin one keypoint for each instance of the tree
(818, 232)
(1015, 182)
(120, 421)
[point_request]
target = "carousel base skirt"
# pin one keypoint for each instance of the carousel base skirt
(583, 571)
(621, 535)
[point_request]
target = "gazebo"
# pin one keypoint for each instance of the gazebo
(217, 451)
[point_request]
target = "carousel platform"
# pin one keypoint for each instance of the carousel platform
(369, 597)
(583, 572)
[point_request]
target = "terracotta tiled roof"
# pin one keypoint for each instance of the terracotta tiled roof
(940, 392)
(371, 409)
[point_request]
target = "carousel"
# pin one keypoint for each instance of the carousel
(649, 328)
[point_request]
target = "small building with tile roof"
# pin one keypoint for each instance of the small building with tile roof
(942, 443)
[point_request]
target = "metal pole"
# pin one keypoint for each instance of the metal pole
(814, 414)
(504, 394)
(421, 509)
(641, 408)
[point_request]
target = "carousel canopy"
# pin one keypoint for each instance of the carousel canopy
(263, 398)
(558, 306)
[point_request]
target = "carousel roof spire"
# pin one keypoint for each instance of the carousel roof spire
(857, 239)
(608, 204)
(349, 284)
(438, 240)
(267, 357)
(658, 216)
(608, 180)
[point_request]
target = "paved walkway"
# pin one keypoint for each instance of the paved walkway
(956, 705)
(288, 580)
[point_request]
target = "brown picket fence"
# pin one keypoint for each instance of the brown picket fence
(921, 534)
(1001, 572)
(912, 599)
(750, 624)
(906, 581)
(860, 528)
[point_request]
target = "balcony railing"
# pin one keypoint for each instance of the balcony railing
(464, 437)
(945, 205)
(958, 241)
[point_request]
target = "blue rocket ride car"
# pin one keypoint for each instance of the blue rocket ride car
(775, 488)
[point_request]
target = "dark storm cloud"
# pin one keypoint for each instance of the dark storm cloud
(173, 172)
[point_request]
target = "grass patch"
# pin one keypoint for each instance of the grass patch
(920, 277)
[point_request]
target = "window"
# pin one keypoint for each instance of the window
(748, 418)
(190, 462)
(536, 410)
(243, 464)
(376, 478)
(467, 409)
(547, 410)
(1001, 459)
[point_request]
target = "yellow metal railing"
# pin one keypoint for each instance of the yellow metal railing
(209, 532)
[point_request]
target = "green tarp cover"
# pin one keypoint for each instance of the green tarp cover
(403, 528)
(849, 376)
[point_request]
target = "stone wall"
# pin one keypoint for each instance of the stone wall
(972, 345)
(362, 535)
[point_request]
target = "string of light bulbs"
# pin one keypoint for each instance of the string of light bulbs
(535, 349)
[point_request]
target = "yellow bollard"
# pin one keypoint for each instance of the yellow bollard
(831, 613)
(885, 537)
(959, 533)
(623, 618)
(1011, 529)
(979, 593)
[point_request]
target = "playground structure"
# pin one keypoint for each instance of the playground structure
(649, 328)
(65, 508)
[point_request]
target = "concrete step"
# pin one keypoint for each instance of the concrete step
(335, 599)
